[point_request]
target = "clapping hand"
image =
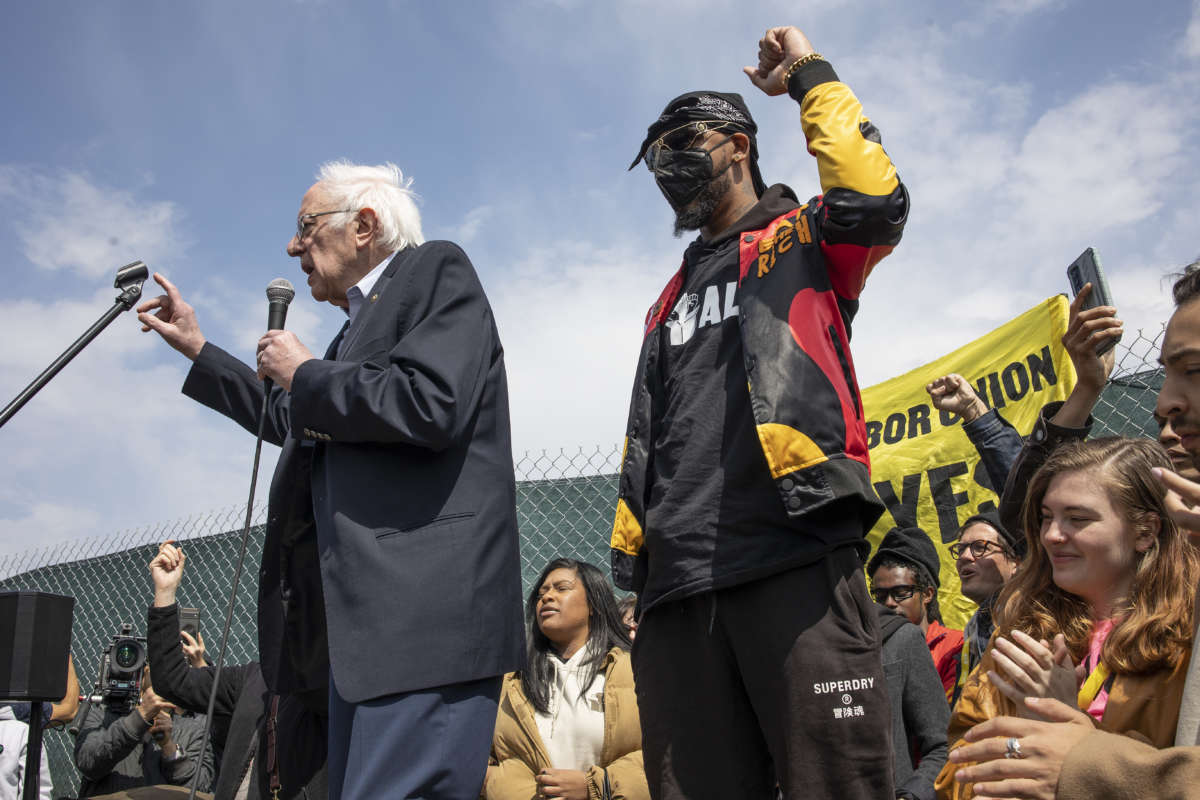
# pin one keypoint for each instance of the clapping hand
(1026, 667)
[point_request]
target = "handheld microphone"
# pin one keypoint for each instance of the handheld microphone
(279, 294)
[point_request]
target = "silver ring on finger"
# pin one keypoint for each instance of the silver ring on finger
(1013, 748)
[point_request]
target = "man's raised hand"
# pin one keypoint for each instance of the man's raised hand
(173, 320)
(166, 570)
(954, 395)
(777, 50)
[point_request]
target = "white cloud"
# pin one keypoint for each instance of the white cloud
(1191, 37)
(571, 325)
(472, 223)
(65, 220)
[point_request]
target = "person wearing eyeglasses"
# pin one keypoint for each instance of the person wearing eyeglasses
(395, 471)
(745, 494)
(985, 556)
(905, 576)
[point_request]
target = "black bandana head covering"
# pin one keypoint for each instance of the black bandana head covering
(724, 107)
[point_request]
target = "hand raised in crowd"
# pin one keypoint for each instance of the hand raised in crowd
(953, 394)
(570, 784)
(1087, 330)
(166, 570)
(1026, 667)
(193, 648)
(174, 320)
(1043, 747)
(777, 50)
(1183, 501)
(279, 354)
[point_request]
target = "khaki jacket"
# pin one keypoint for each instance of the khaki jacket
(518, 752)
(1144, 706)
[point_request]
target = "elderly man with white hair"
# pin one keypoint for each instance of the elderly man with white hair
(390, 569)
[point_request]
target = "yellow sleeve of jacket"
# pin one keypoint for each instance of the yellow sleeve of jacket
(864, 205)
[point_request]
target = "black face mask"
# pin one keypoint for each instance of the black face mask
(682, 174)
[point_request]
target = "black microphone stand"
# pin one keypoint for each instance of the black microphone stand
(129, 280)
(33, 754)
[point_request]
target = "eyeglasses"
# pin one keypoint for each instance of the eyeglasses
(305, 222)
(979, 548)
(902, 592)
(561, 587)
(677, 139)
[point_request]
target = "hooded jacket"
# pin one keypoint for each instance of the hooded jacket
(919, 715)
(799, 281)
(14, 740)
(518, 753)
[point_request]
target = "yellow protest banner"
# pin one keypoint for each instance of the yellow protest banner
(922, 464)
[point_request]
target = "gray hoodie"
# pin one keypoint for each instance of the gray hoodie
(920, 713)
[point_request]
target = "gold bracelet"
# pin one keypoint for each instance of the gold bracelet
(797, 64)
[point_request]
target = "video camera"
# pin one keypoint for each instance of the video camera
(121, 669)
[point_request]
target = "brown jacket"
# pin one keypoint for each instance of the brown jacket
(1144, 706)
(1104, 765)
(518, 752)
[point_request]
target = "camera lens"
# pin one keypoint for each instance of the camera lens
(127, 654)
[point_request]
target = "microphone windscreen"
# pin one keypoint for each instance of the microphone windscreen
(280, 290)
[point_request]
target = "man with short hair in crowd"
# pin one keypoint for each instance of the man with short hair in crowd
(745, 493)
(148, 746)
(905, 577)
(985, 555)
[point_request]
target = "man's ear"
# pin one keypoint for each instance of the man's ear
(368, 228)
(741, 146)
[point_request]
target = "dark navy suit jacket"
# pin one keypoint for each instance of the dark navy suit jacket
(391, 553)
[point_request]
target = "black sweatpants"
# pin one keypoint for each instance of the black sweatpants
(776, 681)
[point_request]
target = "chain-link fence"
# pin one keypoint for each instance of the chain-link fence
(565, 502)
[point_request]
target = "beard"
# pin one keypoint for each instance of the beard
(696, 214)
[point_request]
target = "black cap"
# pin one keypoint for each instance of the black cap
(705, 106)
(910, 545)
(1015, 543)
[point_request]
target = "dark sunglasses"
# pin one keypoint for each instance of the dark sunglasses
(902, 592)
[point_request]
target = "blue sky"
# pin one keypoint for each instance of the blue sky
(184, 134)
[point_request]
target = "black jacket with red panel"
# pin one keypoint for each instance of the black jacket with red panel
(799, 281)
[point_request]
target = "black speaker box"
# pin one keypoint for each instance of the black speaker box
(35, 630)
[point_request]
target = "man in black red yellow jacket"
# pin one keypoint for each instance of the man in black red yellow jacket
(745, 493)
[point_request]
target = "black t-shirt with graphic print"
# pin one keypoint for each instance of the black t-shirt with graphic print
(714, 517)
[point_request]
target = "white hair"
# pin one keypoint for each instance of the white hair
(384, 190)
